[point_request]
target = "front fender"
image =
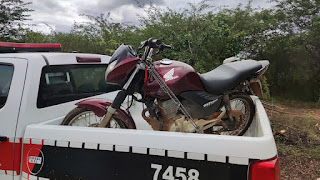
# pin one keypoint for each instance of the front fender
(99, 106)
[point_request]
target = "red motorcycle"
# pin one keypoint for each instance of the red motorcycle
(177, 98)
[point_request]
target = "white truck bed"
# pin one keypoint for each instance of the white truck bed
(82, 152)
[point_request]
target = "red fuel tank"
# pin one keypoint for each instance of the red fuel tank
(177, 75)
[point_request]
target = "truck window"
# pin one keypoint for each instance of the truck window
(65, 83)
(6, 73)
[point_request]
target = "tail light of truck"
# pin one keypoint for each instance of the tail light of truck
(265, 169)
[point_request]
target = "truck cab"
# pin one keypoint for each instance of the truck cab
(41, 86)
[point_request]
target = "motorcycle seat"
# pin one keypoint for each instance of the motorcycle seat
(228, 76)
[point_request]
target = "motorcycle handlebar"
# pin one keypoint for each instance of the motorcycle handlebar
(167, 46)
(154, 43)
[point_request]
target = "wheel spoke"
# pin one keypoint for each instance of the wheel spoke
(242, 109)
(85, 118)
(239, 104)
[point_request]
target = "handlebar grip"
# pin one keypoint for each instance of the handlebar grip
(167, 46)
(142, 45)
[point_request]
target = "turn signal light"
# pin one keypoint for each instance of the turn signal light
(265, 169)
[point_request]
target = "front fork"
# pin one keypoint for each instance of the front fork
(121, 96)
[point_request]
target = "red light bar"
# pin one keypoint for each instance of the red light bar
(6, 47)
(82, 59)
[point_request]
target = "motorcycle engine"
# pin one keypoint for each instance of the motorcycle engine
(169, 118)
(168, 109)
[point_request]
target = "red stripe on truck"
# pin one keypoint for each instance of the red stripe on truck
(10, 156)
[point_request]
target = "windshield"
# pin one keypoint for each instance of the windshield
(123, 51)
(6, 73)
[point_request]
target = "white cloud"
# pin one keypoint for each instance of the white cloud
(127, 14)
(61, 14)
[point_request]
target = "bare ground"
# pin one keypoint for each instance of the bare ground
(297, 133)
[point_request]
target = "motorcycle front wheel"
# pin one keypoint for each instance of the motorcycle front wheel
(243, 105)
(86, 118)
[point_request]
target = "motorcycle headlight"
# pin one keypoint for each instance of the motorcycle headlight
(110, 68)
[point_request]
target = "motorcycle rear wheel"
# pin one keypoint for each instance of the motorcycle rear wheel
(86, 118)
(240, 102)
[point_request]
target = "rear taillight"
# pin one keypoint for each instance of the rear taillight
(265, 169)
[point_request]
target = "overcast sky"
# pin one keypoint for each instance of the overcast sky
(61, 14)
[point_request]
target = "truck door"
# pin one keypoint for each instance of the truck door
(12, 78)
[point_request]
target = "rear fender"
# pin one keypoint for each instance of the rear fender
(255, 85)
(99, 106)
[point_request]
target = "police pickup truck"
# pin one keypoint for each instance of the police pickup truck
(38, 88)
